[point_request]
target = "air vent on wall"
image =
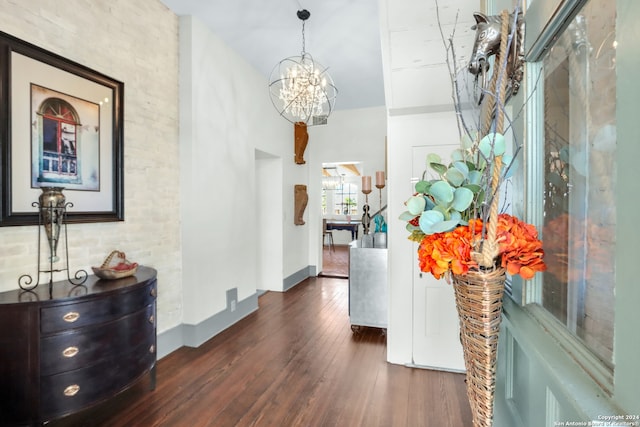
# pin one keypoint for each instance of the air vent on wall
(320, 120)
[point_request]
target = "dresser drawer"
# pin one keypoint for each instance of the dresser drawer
(68, 392)
(92, 344)
(76, 315)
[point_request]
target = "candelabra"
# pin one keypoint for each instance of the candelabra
(380, 234)
(52, 209)
(380, 185)
(366, 218)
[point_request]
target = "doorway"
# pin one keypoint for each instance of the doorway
(269, 240)
(341, 201)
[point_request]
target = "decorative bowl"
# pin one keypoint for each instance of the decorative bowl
(115, 266)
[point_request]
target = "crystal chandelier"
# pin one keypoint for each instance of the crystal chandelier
(301, 89)
(332, 182)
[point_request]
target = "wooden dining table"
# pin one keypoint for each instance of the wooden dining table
(341, 224)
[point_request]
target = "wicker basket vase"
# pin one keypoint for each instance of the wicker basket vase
(479, 303)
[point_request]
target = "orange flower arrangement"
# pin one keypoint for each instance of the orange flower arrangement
(520, 250)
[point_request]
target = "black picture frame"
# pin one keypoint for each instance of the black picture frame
(103, 205)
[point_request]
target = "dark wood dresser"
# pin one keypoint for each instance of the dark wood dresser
(64, 351)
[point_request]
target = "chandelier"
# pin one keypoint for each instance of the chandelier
(301, 89)
(330, 181)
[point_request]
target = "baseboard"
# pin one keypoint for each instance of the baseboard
(195, 335)
(297, 277)
(169, 341)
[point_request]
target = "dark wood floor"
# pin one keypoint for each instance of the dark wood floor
(294, 362)
(335, 261)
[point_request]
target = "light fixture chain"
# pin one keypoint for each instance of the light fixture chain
(304, 51)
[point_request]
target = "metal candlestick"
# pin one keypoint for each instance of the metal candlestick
(366, 218)
(380, 187)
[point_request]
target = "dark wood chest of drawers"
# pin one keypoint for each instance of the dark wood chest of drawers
(64, 351)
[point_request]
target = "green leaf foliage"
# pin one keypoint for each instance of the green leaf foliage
(443, 226)
(462, 199)
(475, 177)
(509, 166)
(439, 168)
(463, 167)
(458, 192)
(422, 186)
(428, 219)
(492, 145)
(416, 204)
(433, 158)
(406, 216)
(442, 192)
(454, 177)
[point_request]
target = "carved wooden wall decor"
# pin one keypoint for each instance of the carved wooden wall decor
(301, 199)
(301, 138)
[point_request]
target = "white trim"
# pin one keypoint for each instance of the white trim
(534, 166)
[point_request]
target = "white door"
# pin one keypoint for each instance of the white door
(436, 336)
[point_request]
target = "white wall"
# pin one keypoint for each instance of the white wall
(136, 43)
(225, 117)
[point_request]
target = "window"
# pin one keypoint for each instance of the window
(346, 199)
(578, 154)
(324, 202)
(340, 188)
(343, 200)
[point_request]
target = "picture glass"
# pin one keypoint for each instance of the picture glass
(61, 135)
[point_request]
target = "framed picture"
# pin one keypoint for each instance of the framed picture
(61, 125)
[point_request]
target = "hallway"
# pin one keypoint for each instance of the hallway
(294, 362)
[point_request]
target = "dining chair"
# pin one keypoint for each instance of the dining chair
(327, 235)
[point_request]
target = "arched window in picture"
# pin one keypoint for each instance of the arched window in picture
(65, 150)
(59, 145)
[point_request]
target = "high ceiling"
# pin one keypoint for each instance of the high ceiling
(345, 35)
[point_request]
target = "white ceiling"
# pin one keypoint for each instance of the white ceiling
(416, 60)
(345, 35)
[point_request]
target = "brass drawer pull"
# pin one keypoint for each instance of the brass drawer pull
(71, 390)
(71, 316)
(70, 351)
(152, 349)
(151, 319)
(153, 292)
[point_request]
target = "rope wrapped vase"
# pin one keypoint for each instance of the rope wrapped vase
(478, 297)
